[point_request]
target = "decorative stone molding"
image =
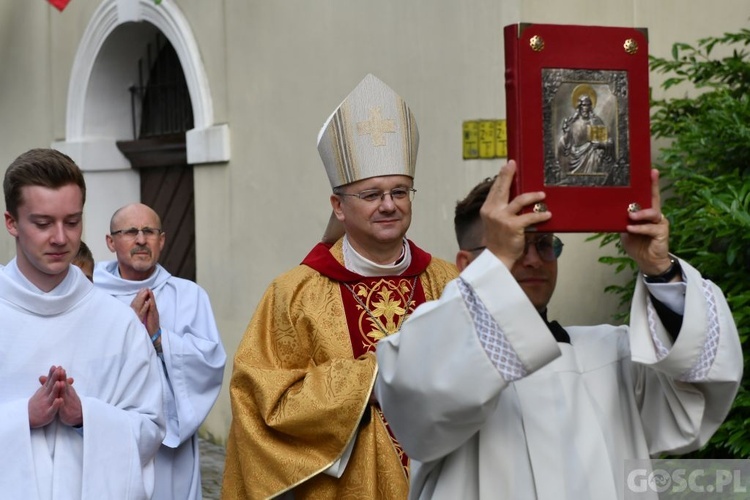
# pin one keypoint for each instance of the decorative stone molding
(207, 142)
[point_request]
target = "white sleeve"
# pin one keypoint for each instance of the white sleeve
(437, 363)
(671, 295)
(194, 359)
(685, 387)
(497, 347)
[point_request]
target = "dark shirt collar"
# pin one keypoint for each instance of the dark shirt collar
(557, 331)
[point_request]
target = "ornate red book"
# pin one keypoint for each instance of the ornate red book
(577, 102)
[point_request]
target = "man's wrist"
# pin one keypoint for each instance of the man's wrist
(155, 337)
(156, 340)
(666, 276)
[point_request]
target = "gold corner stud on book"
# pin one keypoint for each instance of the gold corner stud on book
(537, 43)
(634, 207)
(630, 46)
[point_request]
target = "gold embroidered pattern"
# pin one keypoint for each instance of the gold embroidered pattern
(377, 127)
(383, 307)
(396, 445)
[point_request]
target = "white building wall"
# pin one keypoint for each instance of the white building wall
(276, 70)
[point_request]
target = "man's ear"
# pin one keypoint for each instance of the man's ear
(110, 242)
(336, 206)
(10, 224)
(334, 230)
(463, 259)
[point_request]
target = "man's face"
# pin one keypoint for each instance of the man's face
(137, 255)
(47, 230)
(374, 225)
(584, 105)
(536, 275)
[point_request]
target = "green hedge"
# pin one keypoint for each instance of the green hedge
(706, 174)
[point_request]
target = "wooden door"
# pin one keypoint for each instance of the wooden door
(162, 105)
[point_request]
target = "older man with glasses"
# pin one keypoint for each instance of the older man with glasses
(492, 400)
(304, 421)
(178, 316)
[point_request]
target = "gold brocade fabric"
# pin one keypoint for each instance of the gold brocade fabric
(298, 395)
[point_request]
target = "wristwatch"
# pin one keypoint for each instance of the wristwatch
(673, 270)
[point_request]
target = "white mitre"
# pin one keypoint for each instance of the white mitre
(372, 133)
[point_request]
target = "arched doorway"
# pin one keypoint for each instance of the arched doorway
(162, 114)
(98, 111)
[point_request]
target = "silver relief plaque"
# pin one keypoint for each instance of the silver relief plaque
(585, 120)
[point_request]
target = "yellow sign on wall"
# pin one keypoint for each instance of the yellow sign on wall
(471, 140)
(501, 139)
(484, 139)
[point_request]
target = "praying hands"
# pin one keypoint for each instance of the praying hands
(144, 305)
(56, 397)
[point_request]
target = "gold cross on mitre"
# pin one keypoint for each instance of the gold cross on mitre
(377, 127)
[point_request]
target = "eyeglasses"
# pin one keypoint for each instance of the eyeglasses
(132, 233)
(549, 248)
(373, 195)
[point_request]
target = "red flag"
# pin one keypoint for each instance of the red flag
(59, 4)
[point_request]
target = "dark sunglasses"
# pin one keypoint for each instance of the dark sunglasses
(549, 247)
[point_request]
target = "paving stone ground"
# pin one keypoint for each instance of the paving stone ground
(212, 468)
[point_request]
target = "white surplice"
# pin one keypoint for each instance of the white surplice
(104, 348)
(194, 360)
(573, 413)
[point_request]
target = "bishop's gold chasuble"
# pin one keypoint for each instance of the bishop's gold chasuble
(303, 375)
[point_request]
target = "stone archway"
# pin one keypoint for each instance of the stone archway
(98, 104)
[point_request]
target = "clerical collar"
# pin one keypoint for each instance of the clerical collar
(15, 273)
(356, 263)
(557, 331)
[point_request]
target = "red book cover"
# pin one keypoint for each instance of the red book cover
(577, 101)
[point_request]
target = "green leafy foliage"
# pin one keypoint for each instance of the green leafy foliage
(706, 170)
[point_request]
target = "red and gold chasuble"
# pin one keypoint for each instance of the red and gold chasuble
(375, 307)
